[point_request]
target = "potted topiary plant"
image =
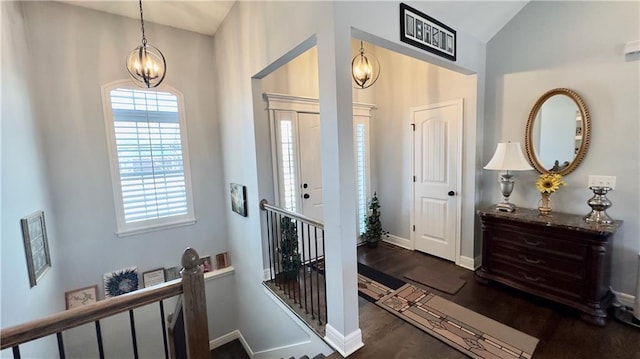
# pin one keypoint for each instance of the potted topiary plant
(373, 227)
(289, 256)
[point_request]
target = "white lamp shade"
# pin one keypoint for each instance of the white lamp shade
(508, 157)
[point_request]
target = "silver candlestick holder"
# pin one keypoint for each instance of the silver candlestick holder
(599, 204)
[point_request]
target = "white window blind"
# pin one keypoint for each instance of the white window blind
(288, 164)
(361, 175)
(147, 144)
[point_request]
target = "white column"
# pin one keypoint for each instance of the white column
(338, 178)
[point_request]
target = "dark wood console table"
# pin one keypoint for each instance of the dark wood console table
(558, 257)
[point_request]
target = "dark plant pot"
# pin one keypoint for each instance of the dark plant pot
(283, 277)
(372, 244)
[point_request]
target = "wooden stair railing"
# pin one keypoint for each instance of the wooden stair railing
(191, 285)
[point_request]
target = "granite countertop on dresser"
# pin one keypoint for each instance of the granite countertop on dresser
(555, 219)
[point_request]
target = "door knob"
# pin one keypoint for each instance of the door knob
(451, 193)
(305, 196)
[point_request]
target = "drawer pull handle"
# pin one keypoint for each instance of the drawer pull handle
(535, 244)
(532, 261)
(533, 279)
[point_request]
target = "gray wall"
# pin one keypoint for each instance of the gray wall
(257, 37)
(406, 83)
(579, 46)
(24, 188)
(71, 52)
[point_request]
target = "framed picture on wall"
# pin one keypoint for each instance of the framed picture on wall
(426, 33)
(81, 296)
(239, 199)
(36, 246)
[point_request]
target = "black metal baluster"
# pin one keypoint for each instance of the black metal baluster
(16, 352)
(305, 268)
(164, 331)
(99, 337)
(295, 295)
(60, 345)
(311, 274)
(274, 238)
(279, 243)
(133, 334)
(276, 248)
(269, 245)
(290, 260)
(324, 277)
(315, 231)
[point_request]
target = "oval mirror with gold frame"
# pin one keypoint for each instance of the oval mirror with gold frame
(558, 132)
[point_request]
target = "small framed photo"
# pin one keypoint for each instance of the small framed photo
(239, 199)
(153, 277)
(222, 260)
(36, 246)
(171, 273)
(120, 282)
(205, 262)
(81, 296)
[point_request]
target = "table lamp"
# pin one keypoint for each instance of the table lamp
(508, 157)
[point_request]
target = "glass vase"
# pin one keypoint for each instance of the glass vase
(544, 205)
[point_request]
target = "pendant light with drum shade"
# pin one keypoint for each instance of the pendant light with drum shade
(365, 69)
(146, 64)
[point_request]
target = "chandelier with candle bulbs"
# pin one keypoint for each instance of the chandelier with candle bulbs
(146, 64)
(365, 69)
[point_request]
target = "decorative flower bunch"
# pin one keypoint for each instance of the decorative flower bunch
(549, 182)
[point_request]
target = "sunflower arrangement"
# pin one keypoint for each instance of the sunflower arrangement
(549, 182)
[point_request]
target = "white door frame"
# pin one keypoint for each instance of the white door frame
(460, 104)
(281, 102)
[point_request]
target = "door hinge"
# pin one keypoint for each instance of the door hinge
(414, 178)
(414, 227)
(413, 126)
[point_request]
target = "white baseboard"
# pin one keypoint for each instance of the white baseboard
(227, 338)
(399, 241)
(625, 299)
(284, 351)
(345, 345)
(470, 263)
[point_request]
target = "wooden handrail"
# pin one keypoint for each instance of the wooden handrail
(264, 205)
(86, 314)
(195, 310)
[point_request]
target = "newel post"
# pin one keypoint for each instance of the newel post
(194, 306)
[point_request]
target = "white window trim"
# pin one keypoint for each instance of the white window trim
(124, 229)
(362, 115)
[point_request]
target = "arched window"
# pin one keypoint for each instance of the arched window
(146, 133)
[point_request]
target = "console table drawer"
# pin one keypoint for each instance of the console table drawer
(569, 269)
(533, 242)
(534, 279)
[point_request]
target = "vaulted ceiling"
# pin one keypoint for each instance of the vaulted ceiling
(482, 19)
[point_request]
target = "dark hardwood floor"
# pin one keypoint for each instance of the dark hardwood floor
(561, 332)
(231, 350)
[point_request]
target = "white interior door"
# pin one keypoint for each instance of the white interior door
(310, 165)
(437, 163)
(310, 188)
